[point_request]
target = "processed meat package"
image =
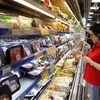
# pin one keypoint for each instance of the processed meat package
(3, 48)
(12, 82)
(3, 60)
(27, 48)
(14, 53)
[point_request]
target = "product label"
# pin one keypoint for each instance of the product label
(15, 54)
(6, 70)
(52, 67)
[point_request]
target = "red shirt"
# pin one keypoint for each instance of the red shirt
(91, 74)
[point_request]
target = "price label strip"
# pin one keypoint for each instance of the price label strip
(6, 70)
(52, 67)
(44, 32)
(44, 74)
(39, 55)
(66, 44)
(50, 50)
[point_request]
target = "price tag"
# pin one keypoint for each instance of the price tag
(44, 32)
(6, 70)
(50, 50)
(39, 55)
(52, 67)
(44, 74)
(66, 44)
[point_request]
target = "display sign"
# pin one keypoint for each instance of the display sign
(44, 74)
(44, 32)
(50, 50)
(52, 67)
(6, 70)
(66, 44)
(39, 55)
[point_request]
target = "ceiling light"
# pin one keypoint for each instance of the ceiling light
(89, 19)
(84, 21)
(95, 0)
(89, 16)
(94, 8)
(88, 24)
(90, 13)
(25, 3)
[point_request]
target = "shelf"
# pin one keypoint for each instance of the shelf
(64, 43)
(24, 60)
(25, 33)
(26, 86)
(30, 8)
(42, 90)
(52, 75)
(62, 20)
(15, 65)
(77, 85)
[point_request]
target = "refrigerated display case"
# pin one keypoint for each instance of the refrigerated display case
(59, 47)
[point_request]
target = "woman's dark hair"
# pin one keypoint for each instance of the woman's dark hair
(96, 29)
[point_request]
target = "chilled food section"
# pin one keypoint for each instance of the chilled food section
(37, 43)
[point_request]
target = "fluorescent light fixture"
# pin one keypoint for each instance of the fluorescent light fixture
(89, 19)
(88, 24)
(90, 13)
(25, 3)
(89, 16)
(70, 10)
(84, 21)
(95, 1)
(61, 21)
(94, 8)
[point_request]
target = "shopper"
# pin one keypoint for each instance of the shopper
(92, 59)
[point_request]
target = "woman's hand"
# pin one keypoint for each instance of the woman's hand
(88, 46)
(87, 59)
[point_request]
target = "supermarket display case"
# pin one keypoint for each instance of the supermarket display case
(61, 48)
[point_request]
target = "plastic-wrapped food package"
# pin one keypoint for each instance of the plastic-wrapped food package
(27, 48)
(14, 53)
(13, 83)
(24, 22)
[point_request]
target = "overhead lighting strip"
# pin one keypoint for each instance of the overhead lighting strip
(90, 16)
(94, 8)
(96, 1)
(70, 11)
(90, 13)
(61, 21)
(89, 19)
(27, 4)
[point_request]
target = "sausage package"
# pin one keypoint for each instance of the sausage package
(12, 82)
(14, 53)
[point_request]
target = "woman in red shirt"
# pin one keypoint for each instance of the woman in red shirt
(92, 59)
